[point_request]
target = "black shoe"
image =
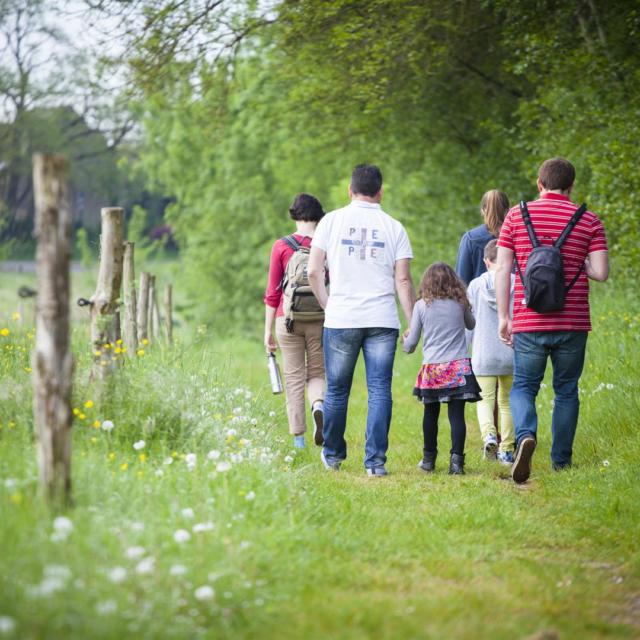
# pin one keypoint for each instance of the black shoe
(318, 421)
(428, 462)
(521, 469)
(456, 464)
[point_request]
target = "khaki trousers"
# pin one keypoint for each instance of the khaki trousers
(486, 405)
(303, 362)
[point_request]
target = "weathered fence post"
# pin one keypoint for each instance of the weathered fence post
(168, 322)
(143, 307)
(52, 359)
(105, 300)
(129, 285)
(154, 313)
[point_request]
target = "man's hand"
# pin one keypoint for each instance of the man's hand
(504, 331)
(269, 343)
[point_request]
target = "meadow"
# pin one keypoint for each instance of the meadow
(194, 516)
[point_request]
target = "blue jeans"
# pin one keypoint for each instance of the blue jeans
(566, 349)
(341, 351)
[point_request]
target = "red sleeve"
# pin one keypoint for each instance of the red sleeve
(506, 239)
(598, 240)
(273, 294)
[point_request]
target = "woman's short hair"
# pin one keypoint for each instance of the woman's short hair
(307, 208)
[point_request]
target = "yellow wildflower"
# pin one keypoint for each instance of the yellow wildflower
(142, 457)
(76, 411)
(97, 354)
(140, 352)
(88, 404)
(82, 416)
(27, 369)
(96, 424)
(107, 345)
(140, 474)
(111, 456)
(11, 424)
(145, 342)
(174, 454)
(4, 332)
(117, 350)
(124, 349)
(124, 466)
(16, 498)
(94, 440)
(118, 341)
(15, 316)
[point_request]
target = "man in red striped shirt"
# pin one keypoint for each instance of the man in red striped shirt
(561, 335)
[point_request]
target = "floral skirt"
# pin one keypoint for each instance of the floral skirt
(446, 381)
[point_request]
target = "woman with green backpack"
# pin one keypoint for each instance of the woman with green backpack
(299, 320)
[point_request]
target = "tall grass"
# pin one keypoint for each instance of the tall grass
(291, 551)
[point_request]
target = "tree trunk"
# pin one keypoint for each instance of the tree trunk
(168, 322)
(52, 359)
(105, 300)
(130, 328)
(143, 307)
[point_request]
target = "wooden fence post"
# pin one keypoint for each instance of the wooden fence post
(105, 300)
(52, 359)
(154, 313)
(143, 307)
(130, 328)
(168, 321)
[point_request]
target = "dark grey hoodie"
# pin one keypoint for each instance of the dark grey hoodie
(489, 356)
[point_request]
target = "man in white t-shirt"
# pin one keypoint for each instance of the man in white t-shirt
(368, 255)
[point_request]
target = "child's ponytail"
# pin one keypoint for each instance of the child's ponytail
(494, 207)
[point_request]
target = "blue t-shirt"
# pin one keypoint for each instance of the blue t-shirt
(470, 260)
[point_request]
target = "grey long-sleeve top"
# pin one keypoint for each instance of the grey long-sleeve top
(443, 323)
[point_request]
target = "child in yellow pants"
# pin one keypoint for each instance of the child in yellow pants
(492, 363)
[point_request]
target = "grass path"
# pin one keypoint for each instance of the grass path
(293, 551)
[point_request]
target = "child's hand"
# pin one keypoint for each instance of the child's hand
(404, 336)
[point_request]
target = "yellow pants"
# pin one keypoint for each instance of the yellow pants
(486, 405)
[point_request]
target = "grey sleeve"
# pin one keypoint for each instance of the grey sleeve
(469, 320)
(415, 328)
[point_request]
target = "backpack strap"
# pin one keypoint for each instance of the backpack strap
(527, 223)
(575, 218)
(291, 242)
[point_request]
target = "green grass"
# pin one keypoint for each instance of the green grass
(316, 554)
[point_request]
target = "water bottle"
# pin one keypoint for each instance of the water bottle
(274, 373)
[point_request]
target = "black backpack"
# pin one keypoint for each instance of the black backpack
(544, 288)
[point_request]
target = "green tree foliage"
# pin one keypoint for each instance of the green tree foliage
(450, 99)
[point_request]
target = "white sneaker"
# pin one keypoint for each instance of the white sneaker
(490, 451)
(317, 412)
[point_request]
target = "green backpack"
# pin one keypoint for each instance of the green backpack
(298, 301)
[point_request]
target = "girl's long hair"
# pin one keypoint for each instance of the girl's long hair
(494, 207)
(440, 282)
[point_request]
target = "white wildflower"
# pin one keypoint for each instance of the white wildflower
(139, 445)
(117, 575)
(202, 526)
(231, 433)
(223, 466)
(610, 386)
(137, 526)
(236, 458)
(147, 565)
(214, 454)
(188, 513)
(10, 483)
(191, 459)
(250, 496)
(159, 473)
(134, 552)
(168, 460)
(605, 463)
(7, 625)
(204, 593)
(106, 607)
(178, 570)
(288, 459)
(272, 414)
(238, 392)
(181, 535)
(63, 526)
(236, 411)
(57, 571)
(107, 425)
(245, 544)
(254, 421)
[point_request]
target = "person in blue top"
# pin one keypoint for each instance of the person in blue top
(470, 262)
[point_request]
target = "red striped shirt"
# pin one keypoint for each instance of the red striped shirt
(549, 216)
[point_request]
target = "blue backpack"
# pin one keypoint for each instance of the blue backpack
(543, 281)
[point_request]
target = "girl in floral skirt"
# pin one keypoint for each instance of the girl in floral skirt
(442, 314)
